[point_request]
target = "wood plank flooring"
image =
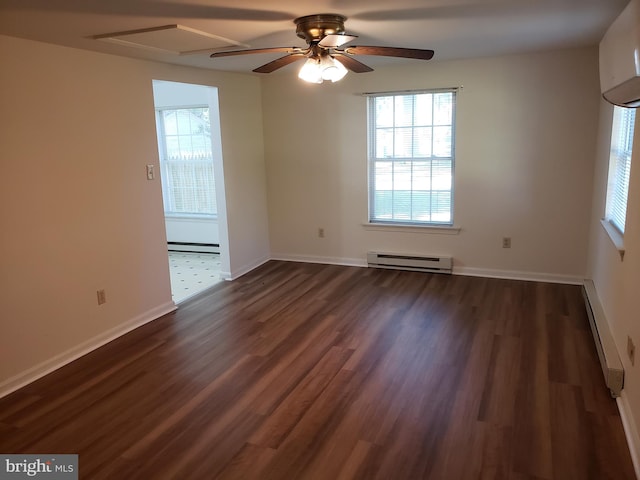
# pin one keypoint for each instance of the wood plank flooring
(302, 371)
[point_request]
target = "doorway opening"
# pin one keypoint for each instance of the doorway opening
(190, 152)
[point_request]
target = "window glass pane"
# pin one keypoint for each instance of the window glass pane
(384, 143)
(404, 111)
(422, 141)
(384, 112)
(402, 176)
(186, 149)
(620, 166)
(422, 114)
(441, 141)
(184, 122)
(201, 144)
(172, 146)
(170, 126)
(441, 175)
(384, 201)
(421, 176)
(384, 176)
(440, 207)
(442, 108)
(421, 206)
(401, 205)
(403, 142)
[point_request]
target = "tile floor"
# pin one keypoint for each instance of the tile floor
(192, 272)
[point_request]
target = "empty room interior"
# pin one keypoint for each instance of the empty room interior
(426, 222)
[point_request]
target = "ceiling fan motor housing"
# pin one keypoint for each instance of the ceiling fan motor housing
(314, 28)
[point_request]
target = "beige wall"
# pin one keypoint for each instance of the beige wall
(526, 129)
(617, 280)
(76, 210)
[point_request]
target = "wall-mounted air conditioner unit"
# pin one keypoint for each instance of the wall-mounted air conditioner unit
(620, 58)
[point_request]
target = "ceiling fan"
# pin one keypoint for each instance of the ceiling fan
(326, 60)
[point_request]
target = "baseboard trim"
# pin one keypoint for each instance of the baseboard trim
(237, 273)
(466, 271)
(630, 431)
(516, 275)
(38, 371)
(344, 261)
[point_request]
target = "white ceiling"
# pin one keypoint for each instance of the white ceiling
(453, 28)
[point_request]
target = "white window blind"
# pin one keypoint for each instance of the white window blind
(620, 166)
(411, 157)
(186, 159)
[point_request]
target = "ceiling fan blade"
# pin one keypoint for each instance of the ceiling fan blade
(258, 50)
(391, 52)
(352, 64)
(336, 40)
(279, 63)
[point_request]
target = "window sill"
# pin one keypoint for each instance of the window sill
(412, 228)
(615, 236)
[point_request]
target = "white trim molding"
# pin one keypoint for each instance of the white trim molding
(517, 275)
(58, 361)
(633, 440)
(344, 261)
(614, 234)
(238, 272)
(467, 271)
(412, 228)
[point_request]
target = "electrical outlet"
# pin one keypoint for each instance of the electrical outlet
(506, 242)
(631, 350)
(151, 173)
(102, 297)
(321, 232)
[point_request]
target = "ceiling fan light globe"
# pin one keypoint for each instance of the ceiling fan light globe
(335, 72)
(311, 71)
(329, 73)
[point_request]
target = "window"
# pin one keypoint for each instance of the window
(411, 157)
(184, 137)
(620, 166)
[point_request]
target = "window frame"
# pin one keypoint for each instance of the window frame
(430, 225)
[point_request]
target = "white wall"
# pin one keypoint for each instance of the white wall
(76, 210)
(617, 280)
(526, 128)
(192, 230)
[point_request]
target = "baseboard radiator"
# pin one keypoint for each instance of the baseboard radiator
(605, 345)
(193, 247)
(416, 263)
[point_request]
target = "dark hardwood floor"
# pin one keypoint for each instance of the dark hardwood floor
(302, 371)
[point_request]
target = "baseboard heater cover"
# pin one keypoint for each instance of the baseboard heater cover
(605, 345)
(415, 263)
(193, 247)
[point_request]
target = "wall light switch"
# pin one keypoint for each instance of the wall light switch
(102, 297)
(151, 174)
